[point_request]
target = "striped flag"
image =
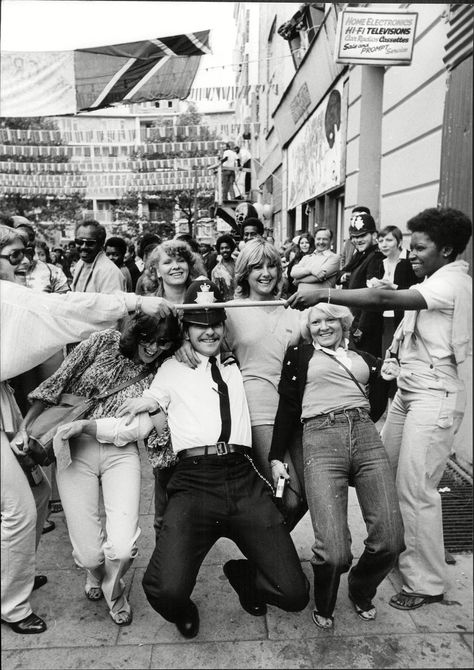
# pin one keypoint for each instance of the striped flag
(51, 83)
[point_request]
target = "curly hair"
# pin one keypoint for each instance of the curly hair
(343, 314)
(225, 239)
(144, 328)
(152, 283)
(254, 253)
(446, 227)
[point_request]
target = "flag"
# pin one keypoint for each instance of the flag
(52, 83)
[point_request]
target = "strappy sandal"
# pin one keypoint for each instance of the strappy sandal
(92, 589)
(412, 601)
(368, 614)
(93, 592)
(122, 618)
(324, 622)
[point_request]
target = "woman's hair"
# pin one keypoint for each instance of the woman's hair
(154, 284)
(40, 245)
(254, 253)
(225, 239)
(395, 231)
(343, 314)
(142, 327)
(9, 235)
(445, 226)
(299, 254)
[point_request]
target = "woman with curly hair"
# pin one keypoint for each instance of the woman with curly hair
(304, 248)
(169, 270)
(106, 360)
(223, 274)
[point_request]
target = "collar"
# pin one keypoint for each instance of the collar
(204, 360)
(342, 350)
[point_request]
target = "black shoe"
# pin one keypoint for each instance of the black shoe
(188, 624)
(40, 580)
(31, 625)
(239, 574)
(48, 527)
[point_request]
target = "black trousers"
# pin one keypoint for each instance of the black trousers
(221, 496)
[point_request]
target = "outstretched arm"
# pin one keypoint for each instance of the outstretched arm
(362, 298)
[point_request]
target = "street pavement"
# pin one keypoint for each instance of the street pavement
(81, 634)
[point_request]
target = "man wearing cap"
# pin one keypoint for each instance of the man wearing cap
(208, 255)
(367, 327)
(214, 490)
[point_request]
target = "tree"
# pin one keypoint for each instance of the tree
(187, 200)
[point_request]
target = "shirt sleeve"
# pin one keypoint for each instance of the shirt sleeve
(331, 264)
(117, 432)
(438, 293)
(35, 325)
(158, 389)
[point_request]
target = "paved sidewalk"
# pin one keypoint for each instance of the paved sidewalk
(81, 634)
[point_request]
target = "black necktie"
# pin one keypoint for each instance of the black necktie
(224, 403)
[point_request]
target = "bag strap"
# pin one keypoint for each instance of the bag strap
(116, 389)
(336, 360)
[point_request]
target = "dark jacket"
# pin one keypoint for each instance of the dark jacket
(291, 389)
(403, 276)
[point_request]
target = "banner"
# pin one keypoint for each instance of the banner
(367, 37)
(53, 83)
(315, 153)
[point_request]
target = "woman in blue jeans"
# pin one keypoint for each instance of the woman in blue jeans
(323, 386)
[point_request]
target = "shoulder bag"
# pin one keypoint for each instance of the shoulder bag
(70, 407)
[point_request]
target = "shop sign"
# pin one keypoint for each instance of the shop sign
(300, 102)
(366, 37)
(315, 154)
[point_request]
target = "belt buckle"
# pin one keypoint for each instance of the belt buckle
(221, 448)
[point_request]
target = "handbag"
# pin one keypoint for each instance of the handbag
(70, 407)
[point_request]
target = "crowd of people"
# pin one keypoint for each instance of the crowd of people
(281, 387)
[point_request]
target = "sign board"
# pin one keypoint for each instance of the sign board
(315, 153)
(366, 37)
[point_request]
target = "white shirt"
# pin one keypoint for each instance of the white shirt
(191, 401)
(33, 326)
(231, 159)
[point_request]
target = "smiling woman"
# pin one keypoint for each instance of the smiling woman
(433, 338)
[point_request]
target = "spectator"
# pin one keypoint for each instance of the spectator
(319, 268)
(305, 248)
(115, 249)
(348, 248)
(130, 263)
(251, 228)
(229, 162)
(94, 273)
(367, 327)
(223, 274)
(208, 255)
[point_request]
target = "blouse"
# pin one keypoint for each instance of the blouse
(95, 366)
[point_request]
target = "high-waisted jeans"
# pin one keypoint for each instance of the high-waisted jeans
(341, 450)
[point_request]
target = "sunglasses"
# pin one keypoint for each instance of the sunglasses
(88, 243)
(14, 257)
(161, 342)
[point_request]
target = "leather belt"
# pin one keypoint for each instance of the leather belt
(218, 449)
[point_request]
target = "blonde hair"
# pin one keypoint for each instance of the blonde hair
(254, 253)
(343, 314)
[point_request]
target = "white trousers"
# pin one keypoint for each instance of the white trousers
(106, 556)
(418, 436)
(24, 510)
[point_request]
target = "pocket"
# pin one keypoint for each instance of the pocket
(446, 410)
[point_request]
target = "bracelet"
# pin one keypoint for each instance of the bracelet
(329, 296)
(138, 305)
(155, 411)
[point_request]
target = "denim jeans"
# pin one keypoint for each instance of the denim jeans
(339, 450)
